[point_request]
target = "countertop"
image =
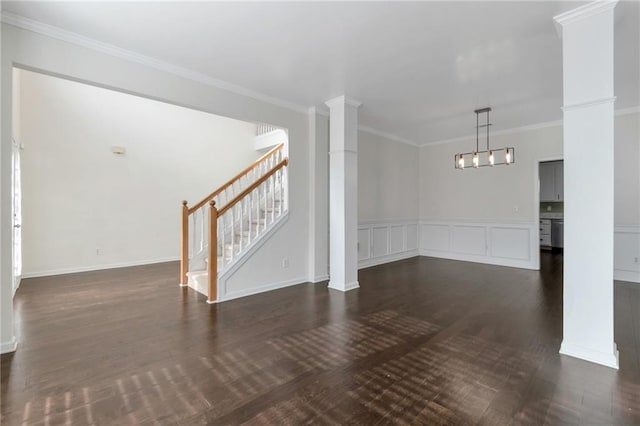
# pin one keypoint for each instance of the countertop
(551, 215)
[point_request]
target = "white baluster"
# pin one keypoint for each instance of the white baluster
(250, 208)
(233, 233)
(264, 200)
(257, 192)
(192, 237)
(202, 220)
(273, 197)
(242, 204)
(222, 230)
(280, 193)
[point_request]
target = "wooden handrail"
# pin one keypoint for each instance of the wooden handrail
(184, 245)
(235, 178)
(253, 186)
(212, 263)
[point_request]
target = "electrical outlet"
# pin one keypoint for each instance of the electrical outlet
(516, 209)
(285, 262)
(636, 260)
(98, 251)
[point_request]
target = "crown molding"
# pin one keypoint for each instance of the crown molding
(513, 130)
(627, 111)
(583, 12)
(385, 135)
(588, 104)
(128, 55)
(343, 100)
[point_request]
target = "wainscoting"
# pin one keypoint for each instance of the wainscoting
(506, 244)
(626, 253)
(386, 241)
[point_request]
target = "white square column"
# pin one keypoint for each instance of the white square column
(587, 58)
(343, 193)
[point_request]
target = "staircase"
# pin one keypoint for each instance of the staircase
(225, 225)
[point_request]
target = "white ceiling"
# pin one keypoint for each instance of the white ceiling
(420, 69)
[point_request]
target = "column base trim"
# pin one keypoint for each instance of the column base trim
(10, 346)
(344, 287)
(602, 358)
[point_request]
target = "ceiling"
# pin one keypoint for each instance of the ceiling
(420, 69)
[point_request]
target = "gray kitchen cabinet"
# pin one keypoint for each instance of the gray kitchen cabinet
(552, 181)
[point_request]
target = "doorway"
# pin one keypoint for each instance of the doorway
(551, 207)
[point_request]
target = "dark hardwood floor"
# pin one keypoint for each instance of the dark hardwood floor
(423, 341)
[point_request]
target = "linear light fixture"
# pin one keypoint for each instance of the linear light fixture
(490, 157)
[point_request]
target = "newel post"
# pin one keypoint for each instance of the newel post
(184, 245)
(212, 264)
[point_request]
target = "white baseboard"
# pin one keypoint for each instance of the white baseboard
(344, 287)
(387, 259)
(622, 275)
(602, 358)
(10, 346)
(319, 279)
(63, 271)
(524, 264)
(261, 289)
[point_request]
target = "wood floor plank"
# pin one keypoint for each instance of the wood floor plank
(422, 341)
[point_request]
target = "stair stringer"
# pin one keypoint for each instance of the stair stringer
(251, 250)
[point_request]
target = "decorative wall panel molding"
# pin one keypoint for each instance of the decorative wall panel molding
(506, 244)
(626, 253)
(386, 241)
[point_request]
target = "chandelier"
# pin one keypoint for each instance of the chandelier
(490, 157)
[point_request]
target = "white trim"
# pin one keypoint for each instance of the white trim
(513, 130)
(366, 258)
(344, 287)
(583, 12)
(261, 289)
(588, 104)
(577, 351)
(527, 128)
(487, 256)
(626, 111)
(74, 270)
(320, 278)
(627, 229)
(367, 129)
(380, 260)
(342, 100)
(10, 346)
(625, 275)
(128, 55)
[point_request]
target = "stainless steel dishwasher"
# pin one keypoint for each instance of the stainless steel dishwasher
(557, 233)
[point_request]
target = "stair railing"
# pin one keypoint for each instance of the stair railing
(196, 227)
(261, 203)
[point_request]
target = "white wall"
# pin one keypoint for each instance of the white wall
(627, 170)
(387, 179)
(489, 194)
(318, 196)
(503, 197)
(67, 58)
(387, 200)
(87, 208)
